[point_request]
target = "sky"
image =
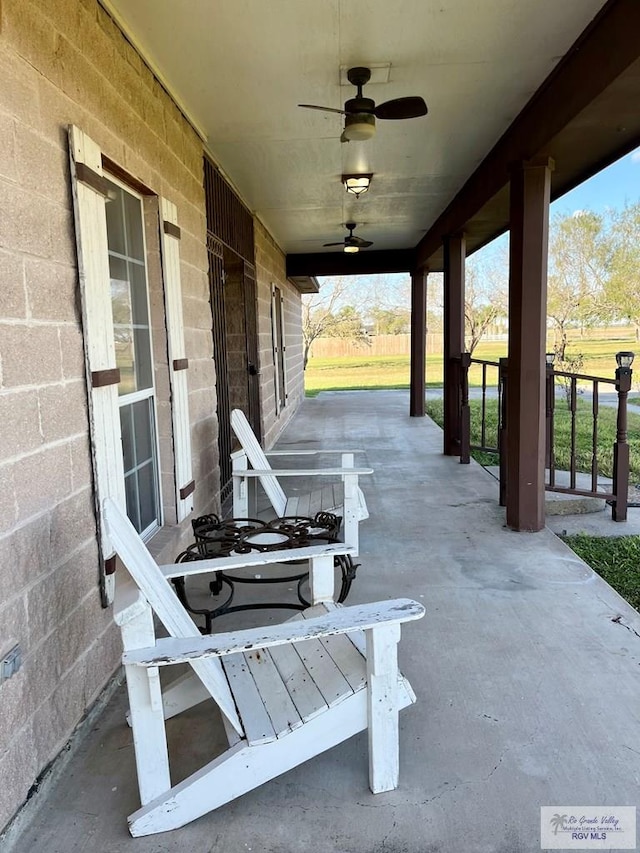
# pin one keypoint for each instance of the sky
(613, 187)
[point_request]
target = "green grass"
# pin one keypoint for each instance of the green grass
(562, 435)
(363, 371)
(358, 373)
(617, 560)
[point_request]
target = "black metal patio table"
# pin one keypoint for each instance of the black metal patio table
(214, 538)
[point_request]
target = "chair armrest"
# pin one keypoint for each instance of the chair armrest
(299, 472)
(244, 561)
(361, 617)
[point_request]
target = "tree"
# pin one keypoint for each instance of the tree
(579, 257)
(390, 321)
(623, 284)
(484, 302)
(326, 314)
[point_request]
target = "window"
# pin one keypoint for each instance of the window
(132, 339)
(114, 293)
(279, 348)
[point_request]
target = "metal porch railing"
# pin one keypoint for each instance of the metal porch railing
(491, 432)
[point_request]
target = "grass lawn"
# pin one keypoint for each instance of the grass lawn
(616, 559)
(562, 439)
(364, 371)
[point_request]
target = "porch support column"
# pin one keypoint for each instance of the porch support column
(529, 221)
(418, 342)
(455, 251)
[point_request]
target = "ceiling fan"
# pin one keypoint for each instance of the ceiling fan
(360, 113)
(351, 243)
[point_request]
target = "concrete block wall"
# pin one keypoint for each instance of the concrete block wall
(271, 268)
(62, 62)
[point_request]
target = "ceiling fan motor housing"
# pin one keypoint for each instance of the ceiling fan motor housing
(359, 126)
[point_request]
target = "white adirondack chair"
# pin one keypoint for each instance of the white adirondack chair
(286, 692)
(344, 498)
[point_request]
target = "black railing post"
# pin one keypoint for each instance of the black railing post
(502, 432)
(550, 404)
(621, 446)
(465, 411)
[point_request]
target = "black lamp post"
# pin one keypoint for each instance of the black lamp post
(624, 360)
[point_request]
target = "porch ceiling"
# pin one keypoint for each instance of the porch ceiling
(239, 69)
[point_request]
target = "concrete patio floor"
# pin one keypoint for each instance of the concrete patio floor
(526, 668)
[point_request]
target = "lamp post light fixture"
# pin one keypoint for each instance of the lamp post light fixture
(550, 358)
(625, 358)
(357, 184)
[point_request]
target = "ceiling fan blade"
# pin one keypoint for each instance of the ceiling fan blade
(341, 243)
(324, 109)
(411, 107)
(358, 241)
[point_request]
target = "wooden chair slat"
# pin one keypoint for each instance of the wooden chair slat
(257, 724)
(278, 704)
(304, 694)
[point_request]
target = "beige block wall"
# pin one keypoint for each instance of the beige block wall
(271, 269)
(62, 62)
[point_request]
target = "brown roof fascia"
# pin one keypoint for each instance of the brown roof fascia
(606, 48)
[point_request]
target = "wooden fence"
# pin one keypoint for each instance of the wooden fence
(378, 345)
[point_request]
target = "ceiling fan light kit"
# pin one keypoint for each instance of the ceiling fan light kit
(357, 184)
(351, 244)
(358, 127)
(360, 115)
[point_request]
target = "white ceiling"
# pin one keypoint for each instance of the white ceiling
(240, 67)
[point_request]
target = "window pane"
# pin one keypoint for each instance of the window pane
(128, 450)
(141, 477)
(141, 335)
(131, 490)
(142, 431)
(122, 324)
(120, 291)
(115, 220)
(133, 226)
(147, 497)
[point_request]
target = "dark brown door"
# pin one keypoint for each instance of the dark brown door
(220, 350)
(251, 332)
(232, 283)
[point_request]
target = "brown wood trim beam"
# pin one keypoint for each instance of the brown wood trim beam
(117, 171)
(187, 490)
(102, 378)
(418, 343)
(171, 229)
(180, 363)
(607, 47)
(92, 179)
(454, 292)
(342, 263)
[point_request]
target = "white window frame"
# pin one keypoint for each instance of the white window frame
(279, 352)
(145, 393)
